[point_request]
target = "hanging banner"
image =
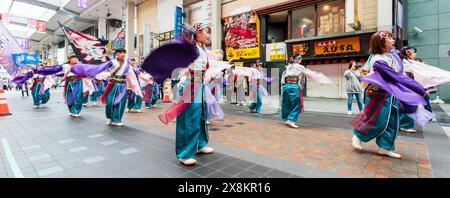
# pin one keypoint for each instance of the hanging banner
(8, 46)
(23, 42)
(21, 59)
(41, 27)
(179, 15)
(89, 49)
(337, 46)
(32, 23)
(242, 36)
(276, 52)
(4, 18)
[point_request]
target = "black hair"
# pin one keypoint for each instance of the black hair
(72, 56)
(121, 50)
(291, 59)
(404, 52)
(350, 65)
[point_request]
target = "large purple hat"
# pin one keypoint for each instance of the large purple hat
(164, 60)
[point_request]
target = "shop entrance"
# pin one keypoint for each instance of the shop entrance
(335, 90)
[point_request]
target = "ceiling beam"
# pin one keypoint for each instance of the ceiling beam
(25, 25)
(59, 10)
(40, 4)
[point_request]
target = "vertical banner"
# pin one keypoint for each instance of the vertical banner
(8, 46)
(178, 21)
(32, 23)
(352, 17)
(23, 42)
(242, 36)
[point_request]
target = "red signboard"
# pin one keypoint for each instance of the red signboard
(41, 26)
(4, 18)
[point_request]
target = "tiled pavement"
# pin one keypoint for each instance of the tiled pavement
(48, 143)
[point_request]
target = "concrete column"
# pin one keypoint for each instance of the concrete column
(216, 29)
(130, 30)
(384, 15)
(66, 48)
(102, 28)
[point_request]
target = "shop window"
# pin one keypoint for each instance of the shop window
(331, 17)
(319, 20)
(304, 22)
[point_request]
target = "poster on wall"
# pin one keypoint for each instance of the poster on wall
(242, 36)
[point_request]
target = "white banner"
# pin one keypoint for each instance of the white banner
(276, 52)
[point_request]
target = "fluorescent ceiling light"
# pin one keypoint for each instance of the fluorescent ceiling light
(20, 9)
(48, 15)
(307, 21)
(5, 5)
(30, 32)
(21, 31)
(59, 3)
(31, 11)
(36, 12)
(17, 27)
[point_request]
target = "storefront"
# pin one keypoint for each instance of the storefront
(329, 34)
(331, 56)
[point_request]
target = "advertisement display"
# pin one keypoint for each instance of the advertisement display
(242, 36)
(276, 52)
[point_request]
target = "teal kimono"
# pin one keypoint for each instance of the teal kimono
(151, 94)
(191, 128)
(256, 97)
(380, 119)
(292, 100)
(73, 90)
(39, 93)
(115, 94)
(134, 101)
(383, 127)
(100, 88)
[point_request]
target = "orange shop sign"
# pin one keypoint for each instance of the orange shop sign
(301, 49)
(337, 46)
